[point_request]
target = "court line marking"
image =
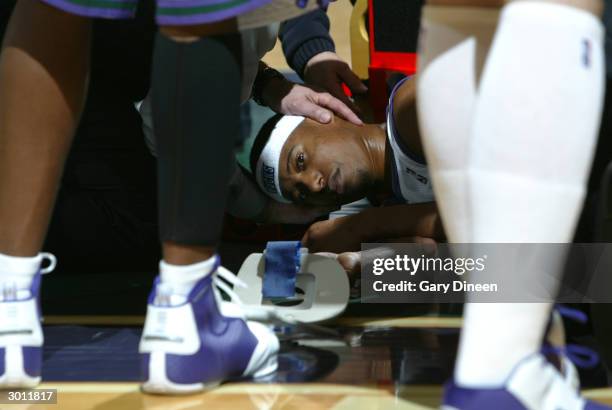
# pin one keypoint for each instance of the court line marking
(390, 402)
(229, 388)
(403, 322)
(603, 393)
(406, 322)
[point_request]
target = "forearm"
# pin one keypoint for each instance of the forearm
(304, 37)
(407, 220)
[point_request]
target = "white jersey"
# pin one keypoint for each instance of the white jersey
(410, 178)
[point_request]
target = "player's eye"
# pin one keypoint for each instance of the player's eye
(299, 161)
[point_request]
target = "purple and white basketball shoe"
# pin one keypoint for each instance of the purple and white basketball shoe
(199, 343)
(21, 336)
(535, 384)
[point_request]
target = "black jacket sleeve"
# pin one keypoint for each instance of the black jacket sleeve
(304, 37)
(6, 8)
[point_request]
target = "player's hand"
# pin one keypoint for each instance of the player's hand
(328, 72)
(350, 262)
(334, 235)
(289, 98)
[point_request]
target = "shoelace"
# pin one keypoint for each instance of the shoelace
(226, 275)
(261, 313)
(572, 314)
(582, 356)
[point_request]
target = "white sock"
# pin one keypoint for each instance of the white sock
(536, 123)
(17, 272)
(534, 132)
(454, 42)
(495, 338)
(179, 280)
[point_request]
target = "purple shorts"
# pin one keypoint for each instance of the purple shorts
(169, 12)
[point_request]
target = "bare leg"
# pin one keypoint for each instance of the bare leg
(43, 71)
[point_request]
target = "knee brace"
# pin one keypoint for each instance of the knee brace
(196, 111)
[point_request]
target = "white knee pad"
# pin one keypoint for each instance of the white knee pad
(454, 41)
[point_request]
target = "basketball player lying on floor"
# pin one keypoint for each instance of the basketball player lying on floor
(319, 165)
(307, 168)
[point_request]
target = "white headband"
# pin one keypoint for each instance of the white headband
(267, 169)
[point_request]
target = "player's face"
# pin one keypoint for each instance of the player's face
(324, 164)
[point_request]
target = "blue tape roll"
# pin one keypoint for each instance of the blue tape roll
(282, 260)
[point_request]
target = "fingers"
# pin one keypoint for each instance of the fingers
(424, 245)
(306, 241)
(428, 245)
(315, 112)
(330, 255)
(312, 239)
(352, 81)
(329, 101)
(351, 262)
(317, 106)
(337, 91)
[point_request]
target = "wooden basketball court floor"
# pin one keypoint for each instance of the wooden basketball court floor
(371, 363)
